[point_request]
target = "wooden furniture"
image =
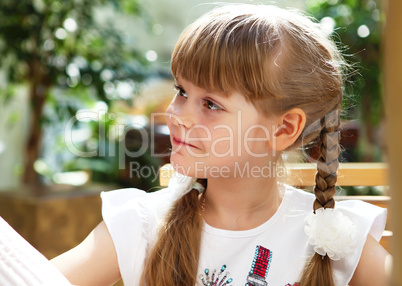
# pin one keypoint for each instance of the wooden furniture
(56, 220)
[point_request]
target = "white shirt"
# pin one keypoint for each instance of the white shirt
(132, 217)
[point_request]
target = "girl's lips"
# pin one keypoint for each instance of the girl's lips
(179, 142)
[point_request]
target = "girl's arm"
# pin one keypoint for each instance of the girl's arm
(374, 265)
(93, 262)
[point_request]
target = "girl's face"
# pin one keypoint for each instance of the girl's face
(216, 136)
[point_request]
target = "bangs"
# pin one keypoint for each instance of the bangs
(228, 53)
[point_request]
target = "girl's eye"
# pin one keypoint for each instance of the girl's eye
(207, 103)
(211, 105)
(180, 91)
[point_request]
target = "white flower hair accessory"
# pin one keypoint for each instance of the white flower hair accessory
(180, 185)
(331, 233)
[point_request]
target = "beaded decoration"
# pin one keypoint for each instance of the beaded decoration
(256, 277)
(259, 267)
(215, 279)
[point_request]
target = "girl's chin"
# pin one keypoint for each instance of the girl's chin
(184, 170)
(186, 167)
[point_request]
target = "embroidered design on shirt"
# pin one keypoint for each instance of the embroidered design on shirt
(260, 266)
(256, 277)
(215, 279)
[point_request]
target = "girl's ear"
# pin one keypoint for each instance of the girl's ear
(290, 126)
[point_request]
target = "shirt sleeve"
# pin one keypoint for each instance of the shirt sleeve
(368, 219)
(132, 216)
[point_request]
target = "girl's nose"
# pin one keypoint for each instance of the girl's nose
(181, 119)
(181, 112)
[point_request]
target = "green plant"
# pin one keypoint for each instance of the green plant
(357, 24)
(67, 46)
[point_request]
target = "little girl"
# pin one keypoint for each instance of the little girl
(252, 82)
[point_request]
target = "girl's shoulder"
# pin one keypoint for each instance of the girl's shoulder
(135, 205)
(132, 216)
(127, 198)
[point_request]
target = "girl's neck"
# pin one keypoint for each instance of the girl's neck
(240, 203)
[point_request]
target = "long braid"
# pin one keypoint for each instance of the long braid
(318, 270)
(174, 258)
(328, 162)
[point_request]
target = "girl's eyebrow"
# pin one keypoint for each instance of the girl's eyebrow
(177, 83)
(208, 92)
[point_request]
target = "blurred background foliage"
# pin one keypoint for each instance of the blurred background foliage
(83, 61)
(357, 26)
(71, 56)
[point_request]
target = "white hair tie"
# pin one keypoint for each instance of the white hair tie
(331, 233)
(180, 185)
(200, 188)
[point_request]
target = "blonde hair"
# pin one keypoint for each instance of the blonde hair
(279, 60)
